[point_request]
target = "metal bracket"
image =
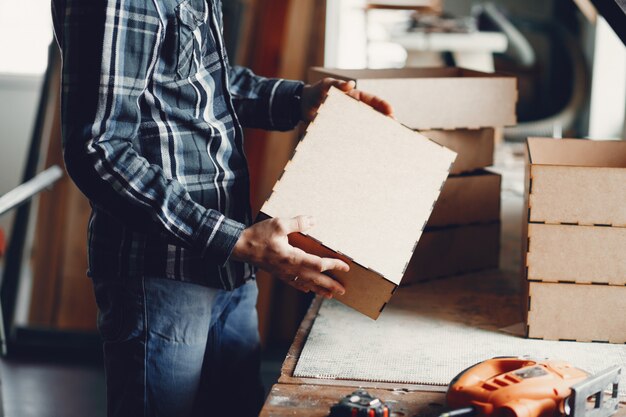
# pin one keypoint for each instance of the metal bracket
(593, 388)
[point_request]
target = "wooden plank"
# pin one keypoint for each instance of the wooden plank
(49, 228)
(61, 296)
(76, 309)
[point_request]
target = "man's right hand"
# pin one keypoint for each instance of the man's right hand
(266, 245)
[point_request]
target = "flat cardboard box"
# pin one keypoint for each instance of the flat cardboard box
(577, 181)
(370, 183)
(437, 98)
(581, 312)
(474, 147)
(580, 254)
(468, 199)
(453, 251)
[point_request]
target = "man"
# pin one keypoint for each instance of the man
(151, 114)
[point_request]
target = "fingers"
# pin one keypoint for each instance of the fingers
(319, 283)
(292, 225)
(320, 264)
(316, 279)
(340, 84)
(374, 101)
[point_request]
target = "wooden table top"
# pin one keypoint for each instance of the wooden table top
(310, 397)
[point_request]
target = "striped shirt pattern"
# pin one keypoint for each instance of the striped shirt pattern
(152, 117)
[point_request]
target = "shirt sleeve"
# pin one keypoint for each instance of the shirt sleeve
(109, 51)
(266, 103)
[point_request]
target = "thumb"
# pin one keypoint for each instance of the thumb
(299, 224)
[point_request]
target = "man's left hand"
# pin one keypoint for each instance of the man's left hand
(313, 96)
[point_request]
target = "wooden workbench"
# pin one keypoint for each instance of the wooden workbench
(310, 397)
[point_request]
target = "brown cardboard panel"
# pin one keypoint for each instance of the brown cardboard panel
(577, 152)
(577, 181)
(438, 98)
(454, 250)
(524, 246)
(474, 147)
(579, 312)
(366, 291)
(586, 196)
(369, 182)
(582, 254)
(468, 199)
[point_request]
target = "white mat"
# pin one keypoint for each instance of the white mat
(417, 342)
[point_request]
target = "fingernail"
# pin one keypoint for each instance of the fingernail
(340, 292)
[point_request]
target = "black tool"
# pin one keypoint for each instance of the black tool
(360, 404)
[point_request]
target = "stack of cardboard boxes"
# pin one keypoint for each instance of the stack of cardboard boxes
(458, 109)
(463, 232)
(575, 240)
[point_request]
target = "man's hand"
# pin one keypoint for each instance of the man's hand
(314, 95)
(265, 244)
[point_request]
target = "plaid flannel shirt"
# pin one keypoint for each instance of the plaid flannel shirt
(151, 120)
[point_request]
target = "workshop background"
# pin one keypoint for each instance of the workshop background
(571, 70)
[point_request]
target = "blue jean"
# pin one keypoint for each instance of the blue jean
(174, 349)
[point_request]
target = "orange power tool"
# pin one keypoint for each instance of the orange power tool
(522, 387)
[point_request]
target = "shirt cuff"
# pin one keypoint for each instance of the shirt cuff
(284, 104)
(217, 236)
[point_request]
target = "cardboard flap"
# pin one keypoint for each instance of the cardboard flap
(369, 182)
(577, 152)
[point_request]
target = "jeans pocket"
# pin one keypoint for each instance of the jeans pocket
(110, 301)
(190, 15)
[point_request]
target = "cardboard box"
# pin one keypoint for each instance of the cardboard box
(454, 250)
(585, 313)
(370, 183)
(577, 181)
(580, 254)
(575, 237)
(468, 199)
(437, 98)
(474, 147)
